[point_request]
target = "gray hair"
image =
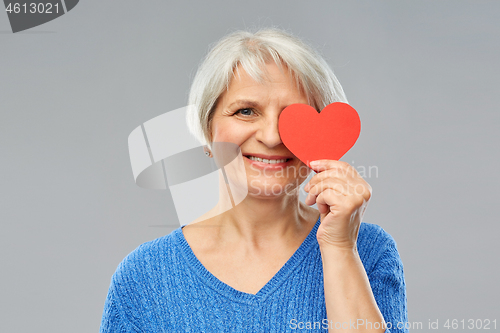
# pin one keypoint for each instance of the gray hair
(251, 51)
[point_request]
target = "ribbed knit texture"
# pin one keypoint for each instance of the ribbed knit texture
(162, 287)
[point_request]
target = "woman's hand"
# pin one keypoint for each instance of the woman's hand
(342, 196)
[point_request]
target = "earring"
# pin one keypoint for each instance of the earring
(208, 153)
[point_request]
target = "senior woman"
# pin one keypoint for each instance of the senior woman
(271, 263)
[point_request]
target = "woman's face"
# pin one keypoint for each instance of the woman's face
(247, 115)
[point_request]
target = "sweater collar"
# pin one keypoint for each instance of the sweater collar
(238, 296)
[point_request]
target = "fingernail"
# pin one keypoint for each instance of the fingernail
(313, 163)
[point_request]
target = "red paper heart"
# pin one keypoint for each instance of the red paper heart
(311, 136)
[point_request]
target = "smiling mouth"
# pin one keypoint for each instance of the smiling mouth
(268, 161)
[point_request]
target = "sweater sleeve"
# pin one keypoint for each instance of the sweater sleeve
(389, 288)
(121, 309)
(111, 321)
(127, 308)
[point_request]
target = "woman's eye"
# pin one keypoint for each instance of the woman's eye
(244, 112)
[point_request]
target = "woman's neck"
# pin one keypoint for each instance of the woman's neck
(259, 221)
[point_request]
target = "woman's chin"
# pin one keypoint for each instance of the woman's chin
(270, 190)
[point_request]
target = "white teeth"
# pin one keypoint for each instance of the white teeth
(264, 160)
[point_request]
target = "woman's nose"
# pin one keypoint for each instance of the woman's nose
(268, 133)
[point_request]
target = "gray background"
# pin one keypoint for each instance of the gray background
(424, 76)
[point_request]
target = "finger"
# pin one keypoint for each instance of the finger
(322, 165)
(341, 204)
(351, 187)
(331, 200)
(323, 208)
(334, 168)
(340, 186)
(340, 173)
(359, 191)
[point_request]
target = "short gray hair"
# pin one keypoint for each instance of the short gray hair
(252, 51)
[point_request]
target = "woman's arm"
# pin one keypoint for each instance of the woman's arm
(342, 196)
(350, 303)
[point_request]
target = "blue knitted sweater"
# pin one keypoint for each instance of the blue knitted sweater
(162, 287)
